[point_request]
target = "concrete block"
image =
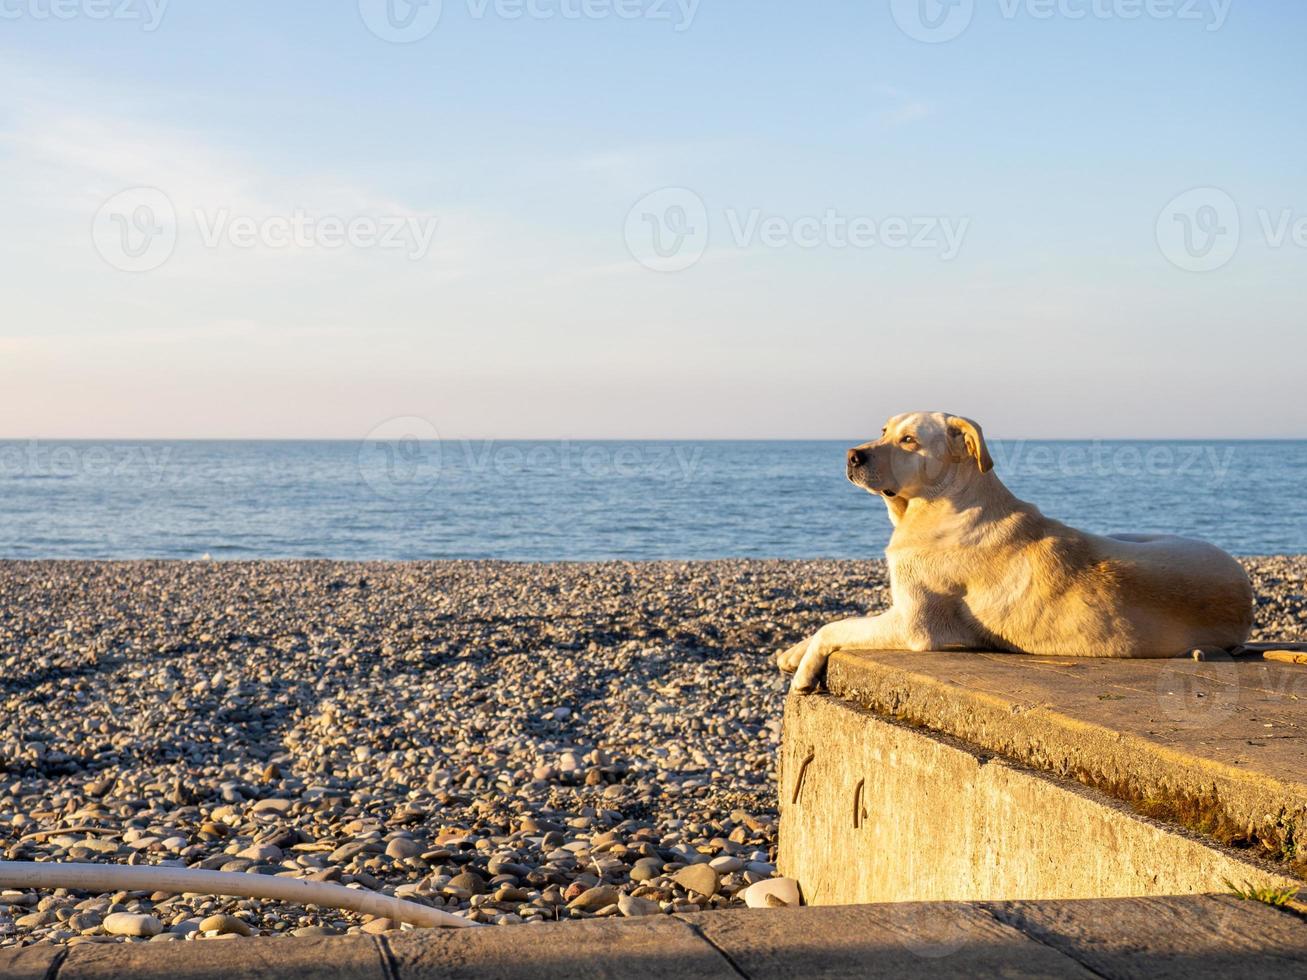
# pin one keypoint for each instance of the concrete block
(1213, 746)
(874, 811)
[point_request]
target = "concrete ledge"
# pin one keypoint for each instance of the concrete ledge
(1194, 937)
(902, 940)
(1165, 939)
(875, 811)
(1217, 747)
(661, 946)
(33, 963)
(337, 958)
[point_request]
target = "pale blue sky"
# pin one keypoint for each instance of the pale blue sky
(506, 156)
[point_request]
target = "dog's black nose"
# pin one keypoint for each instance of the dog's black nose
(855, 457)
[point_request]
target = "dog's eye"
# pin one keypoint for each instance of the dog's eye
(908, 441)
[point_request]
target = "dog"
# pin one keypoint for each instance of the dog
(974, 568)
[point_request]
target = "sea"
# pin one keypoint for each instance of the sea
(588, 501)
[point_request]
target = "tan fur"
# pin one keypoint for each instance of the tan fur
(974, 568)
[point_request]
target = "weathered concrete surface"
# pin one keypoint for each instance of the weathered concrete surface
(34, 963)
(1191, 937)
(875, 811)
(655, 946)
(904, 940)
(1167, 938)
(1218, 746)
(336, 958)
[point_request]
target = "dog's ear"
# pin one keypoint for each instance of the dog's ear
(973, 438)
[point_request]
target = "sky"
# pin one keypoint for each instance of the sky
(652, 218)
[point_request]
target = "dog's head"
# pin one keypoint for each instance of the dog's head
(921, 454)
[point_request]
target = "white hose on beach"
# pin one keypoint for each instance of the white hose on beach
(112, 878)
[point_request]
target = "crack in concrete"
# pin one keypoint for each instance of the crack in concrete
(389, 965)
(56, 964)
(1069, 953)
(735, 967)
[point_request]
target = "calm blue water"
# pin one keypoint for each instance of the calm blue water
(591, 500)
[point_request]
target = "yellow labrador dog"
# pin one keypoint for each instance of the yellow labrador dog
(974, 568)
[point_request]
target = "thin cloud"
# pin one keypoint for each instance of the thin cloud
(902, 108)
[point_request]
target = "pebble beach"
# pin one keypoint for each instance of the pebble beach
(512, 743)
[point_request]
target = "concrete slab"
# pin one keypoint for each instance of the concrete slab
(653, 947)
(935, 940)
(334, 958)
(1165, 938)
(1219, 747)
(30, 963)
(875, 811)
(1196, 937)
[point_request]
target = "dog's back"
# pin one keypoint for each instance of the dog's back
(1185, 593)
(1034, 585)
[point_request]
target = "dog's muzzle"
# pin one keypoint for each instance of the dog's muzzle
(858, 469)
(854, 465)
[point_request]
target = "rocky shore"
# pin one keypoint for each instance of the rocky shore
(512, 743)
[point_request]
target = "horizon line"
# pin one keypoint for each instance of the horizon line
(624, 439)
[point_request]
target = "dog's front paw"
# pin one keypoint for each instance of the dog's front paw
(812, 668)
(788, 660)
